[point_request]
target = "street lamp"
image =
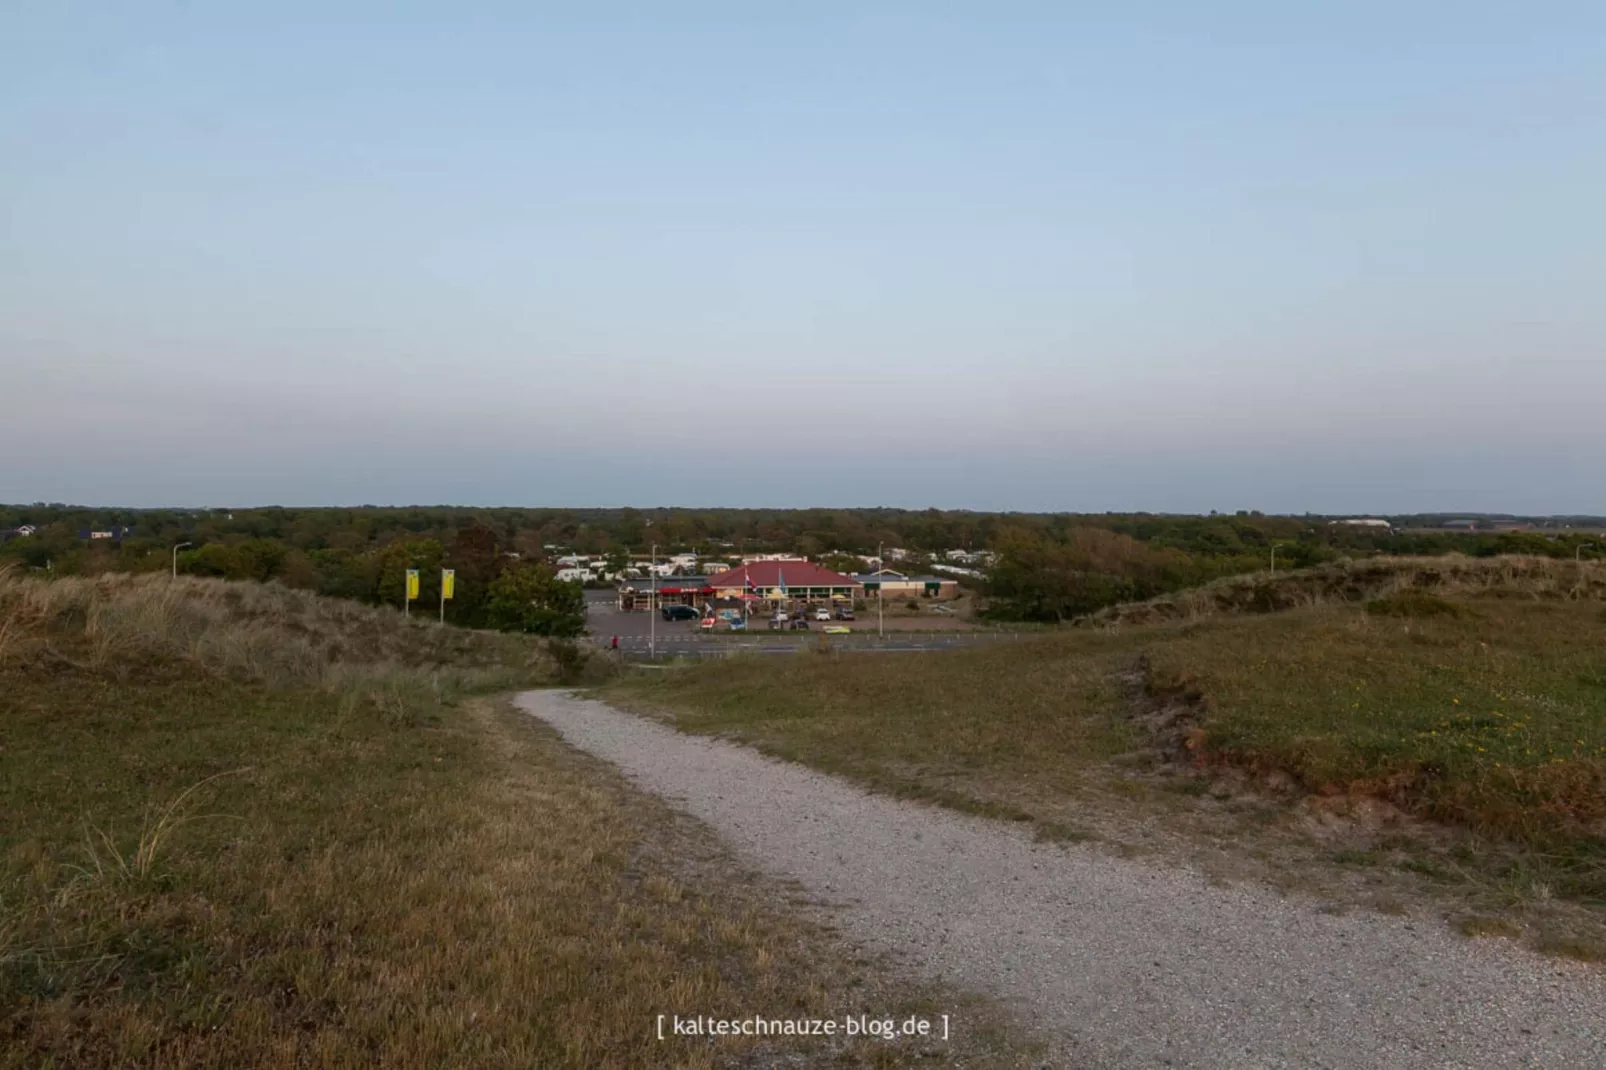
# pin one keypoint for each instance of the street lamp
(176, 549)
(881, 580)
(652, 606)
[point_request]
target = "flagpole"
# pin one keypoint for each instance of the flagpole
(880, 606)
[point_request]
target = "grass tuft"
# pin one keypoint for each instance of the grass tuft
(1414, 605)
(1481, 925)
(106, 861)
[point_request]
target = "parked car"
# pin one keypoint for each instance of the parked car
(800, 623)
(708, 624)
(844, 613)
(738, 624)
(779, 622)
(680, 613)
(822, 614)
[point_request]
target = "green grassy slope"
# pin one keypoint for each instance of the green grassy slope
(1483, 705)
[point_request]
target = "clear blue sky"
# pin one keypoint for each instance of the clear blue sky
(1344, 256)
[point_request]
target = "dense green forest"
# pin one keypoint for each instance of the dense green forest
(1049, 566)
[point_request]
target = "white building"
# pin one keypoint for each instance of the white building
(659, 568)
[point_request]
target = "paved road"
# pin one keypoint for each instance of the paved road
(1122, 964)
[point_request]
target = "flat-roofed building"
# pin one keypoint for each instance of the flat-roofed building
(649, 594)
(890, 583)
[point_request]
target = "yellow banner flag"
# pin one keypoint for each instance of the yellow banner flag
(412, 584)
(448, 582)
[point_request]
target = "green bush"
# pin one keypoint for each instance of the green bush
(571, 659)
(530, 599)
(1414, 605)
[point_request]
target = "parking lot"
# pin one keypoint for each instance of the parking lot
(639, 633)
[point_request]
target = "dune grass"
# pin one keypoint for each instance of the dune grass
(150, 626)
(1354, 581)
(246, 827)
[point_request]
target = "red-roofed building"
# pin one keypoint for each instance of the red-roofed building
(801, 580)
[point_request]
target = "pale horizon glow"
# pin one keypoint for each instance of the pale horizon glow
(1335, 258)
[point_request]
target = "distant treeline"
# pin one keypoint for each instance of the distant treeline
(1050, 566)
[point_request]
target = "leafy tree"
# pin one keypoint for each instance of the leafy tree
(345, 574)
(213, 559)
(258, 559)
(528, 598)
(476, 557)
(846, 564)
(399, 556)
(299, 571)
(1036, 578)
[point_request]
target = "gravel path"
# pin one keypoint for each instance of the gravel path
(1123, 963)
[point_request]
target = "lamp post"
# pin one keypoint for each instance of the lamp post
(652, 606)
(881, 580)
(176, 549)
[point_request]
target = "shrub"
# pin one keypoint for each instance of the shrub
(1414, 605)
(570, 658)
(529, 599)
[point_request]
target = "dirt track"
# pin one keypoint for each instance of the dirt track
(1118, 963)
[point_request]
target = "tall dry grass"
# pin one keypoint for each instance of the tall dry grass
(127, 626)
